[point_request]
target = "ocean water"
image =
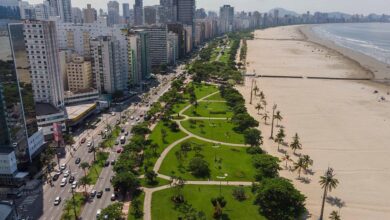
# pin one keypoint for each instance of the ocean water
(372, 39)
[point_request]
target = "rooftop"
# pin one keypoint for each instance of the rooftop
(46, 109)
(75, 112)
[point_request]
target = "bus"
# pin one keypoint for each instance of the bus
(123, 140)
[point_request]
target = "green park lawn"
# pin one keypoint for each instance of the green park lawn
(141, 197)
(68, 213)
(225, 57)
(179, 106)
(226, 162)
(215, 97)
(202, 90)
(217, 130)
(156, 137)
(164, 209)
(96, 167)
(210, 109)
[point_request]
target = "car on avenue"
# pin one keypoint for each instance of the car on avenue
(57, 200)
(99, 194)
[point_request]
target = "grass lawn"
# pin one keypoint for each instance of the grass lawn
(218, 130)
(237, 170)
(179, 106)
(210, 109)
(156, 137)
(198, 197)
(216, 97)
(110, 141)
(160, 182)
(68, 212)
(96, 167)
(225, 57)
(141, 198)
(202, 90)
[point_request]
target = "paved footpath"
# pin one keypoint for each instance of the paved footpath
(149, 191)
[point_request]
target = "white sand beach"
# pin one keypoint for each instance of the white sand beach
(342, 123)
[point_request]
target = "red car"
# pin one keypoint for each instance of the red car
(119, 150)
(83, 140)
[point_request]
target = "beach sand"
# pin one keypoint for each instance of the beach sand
(341, 123)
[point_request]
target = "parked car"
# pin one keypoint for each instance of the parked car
(66, 173)
(90, 150)
(89, 144)
(63, 182)
(74, 185)
(113, 113)
(98, 213)
(119, 150)
(127, 133)
(107, 189)
(93, 193)
(57, 200)
(107, 163)
(113, 162)
(71, 179)
(78, 160)
(113, 197)
(83, 140)
(55, 177)
(62, 167)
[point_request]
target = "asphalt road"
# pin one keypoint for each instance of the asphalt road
(51, 212)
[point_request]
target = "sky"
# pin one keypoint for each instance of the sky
(300, 6)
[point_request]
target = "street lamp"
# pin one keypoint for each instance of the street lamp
(215, 152)
(220, 182)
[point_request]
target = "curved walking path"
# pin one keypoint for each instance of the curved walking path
(149, 191)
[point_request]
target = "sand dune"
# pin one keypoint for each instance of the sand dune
(342, 124)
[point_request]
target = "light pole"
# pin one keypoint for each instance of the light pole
(220, 182)
(273, 117)
(215, 152)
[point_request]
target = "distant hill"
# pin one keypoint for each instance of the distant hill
(283, 12)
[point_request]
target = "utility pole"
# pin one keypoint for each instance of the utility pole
(273, 117)
(251, 92)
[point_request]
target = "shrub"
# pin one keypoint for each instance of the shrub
(239, 193)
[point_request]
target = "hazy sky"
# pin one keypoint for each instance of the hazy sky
(300, 6)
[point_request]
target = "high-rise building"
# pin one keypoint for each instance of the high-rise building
(186, 11)
(79, 74)
(200, 13)
(77, 15)
(107, 65)
(20, 138)
(10, 10)
(89, 14)
(168, 11)
(138, 13)
(53, 10)
(157, 35)
(138, 57)
(42, 11)
(126, 12)
(181, 35)
(65, 10)
(172, 47)
(226, 18)
(113, 13)
(27, 11)
(150, 15)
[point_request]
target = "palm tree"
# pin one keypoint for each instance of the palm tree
(272, 124)
(278, 118)
(262, 96)
(334, 215)
(258, 107)
(280, 137)
(286, 158)
(327, 182)
(296, 144)
(299, 165)
(84, 166)
(308, 161)
(84, 182)
(265, 117)
(265, 105)
(256, 89)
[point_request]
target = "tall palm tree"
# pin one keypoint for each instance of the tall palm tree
(84, 166)
(265, 117)
(286, 158)
(299, 165)
(258, 107)
(327, 182)
(83, 181)
(272, 124)
(256, 89)
(265, 105)
(296, 144)
(278, 118)
(308, 161)
(261, 95)
(334, 215)
(280, 137)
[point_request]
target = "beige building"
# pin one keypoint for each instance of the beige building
(79, 74)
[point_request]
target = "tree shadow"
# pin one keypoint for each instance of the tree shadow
(335, 201)
(305, 180)
(283, 151)
(310, 172)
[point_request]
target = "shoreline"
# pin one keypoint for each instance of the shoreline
(378, 71)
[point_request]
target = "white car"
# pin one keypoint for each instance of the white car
(132, 118)
(98, 213)
(113, 113)
(66, 173)
(63, 167)
(137, 119)
(57, 201)
(74, 185)
(63, 182)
